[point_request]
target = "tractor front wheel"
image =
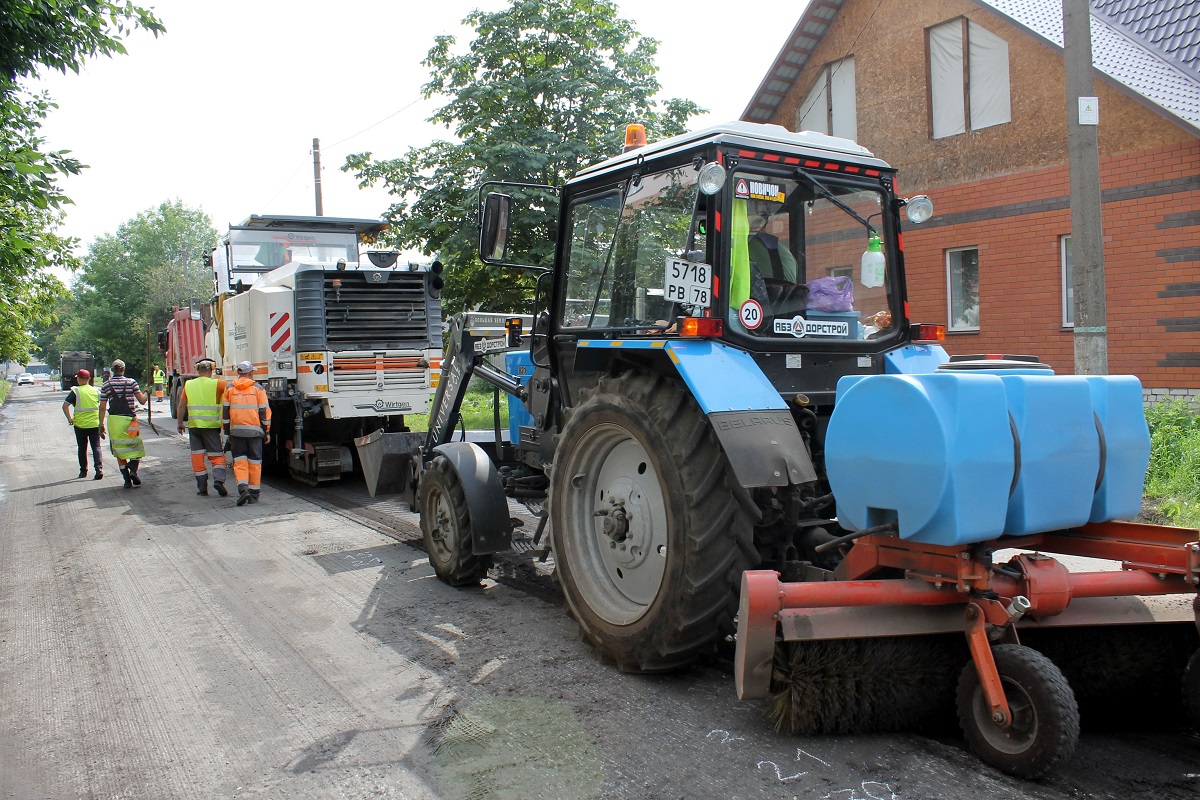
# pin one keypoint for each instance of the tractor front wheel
(446, 526)
(648, 534)
(1045, 717)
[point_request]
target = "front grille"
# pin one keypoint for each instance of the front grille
(367, 309)
(365, 372)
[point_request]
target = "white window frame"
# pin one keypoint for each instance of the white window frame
(951, 326)
(1068, 281)
(831, 104)
(968, 71)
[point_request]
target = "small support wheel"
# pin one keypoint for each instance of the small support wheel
(1045, 716)
(446, 526)
(1191, 688)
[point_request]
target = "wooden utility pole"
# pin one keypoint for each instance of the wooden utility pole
(317, 175)
(1083, 157)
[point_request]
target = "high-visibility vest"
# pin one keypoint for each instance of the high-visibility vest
(87, 406)
(124, 437)
(246, 408)
(159, 377)
(201, 399)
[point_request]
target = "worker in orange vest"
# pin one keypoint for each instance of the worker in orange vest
(246, 416)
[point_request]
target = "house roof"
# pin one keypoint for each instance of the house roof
(1149, 48)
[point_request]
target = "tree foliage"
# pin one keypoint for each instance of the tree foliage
(36, 35)
(545, 88)
(133, 278)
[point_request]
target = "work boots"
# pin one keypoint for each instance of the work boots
(133, 476)
(220, 487)
(128, 476)
(99, 474)
(202, 486)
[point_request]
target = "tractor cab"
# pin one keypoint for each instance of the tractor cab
(778, 243)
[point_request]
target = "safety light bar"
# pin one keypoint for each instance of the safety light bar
(701, 326)
(929, 333)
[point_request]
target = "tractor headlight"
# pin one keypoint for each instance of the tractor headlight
(711, 178)
(918, 209)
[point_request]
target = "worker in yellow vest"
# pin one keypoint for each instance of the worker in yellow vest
(200, 410)
(159, 379)
(247, 419)
(85, 399)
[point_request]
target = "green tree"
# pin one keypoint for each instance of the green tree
(36, 35)
(545, 88)
(135, 276)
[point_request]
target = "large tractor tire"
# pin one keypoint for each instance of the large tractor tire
(649, 537)
(1045, 717)
(446, 526)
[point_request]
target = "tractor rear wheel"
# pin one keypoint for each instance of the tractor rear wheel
(648, 535)
(1045, 717)
(446, 526)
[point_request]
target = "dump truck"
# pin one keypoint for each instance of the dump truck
(731, 430)
(73, 361)
(182, 345)
(346, 341)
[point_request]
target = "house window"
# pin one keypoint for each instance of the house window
(968, 78)
(1068, 282)
(962, 278)
(829, 107)
(840, 272)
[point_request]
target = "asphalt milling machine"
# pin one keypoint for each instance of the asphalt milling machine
(346, 340)
(730, 428)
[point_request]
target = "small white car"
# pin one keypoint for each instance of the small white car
(25, 379)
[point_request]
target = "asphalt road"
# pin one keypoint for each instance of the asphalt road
(156, 644)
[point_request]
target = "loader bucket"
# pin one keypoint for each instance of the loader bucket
(389, 460)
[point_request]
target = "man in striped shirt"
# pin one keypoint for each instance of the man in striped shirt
(117, 397)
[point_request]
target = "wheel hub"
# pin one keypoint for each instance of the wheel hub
(625, 521)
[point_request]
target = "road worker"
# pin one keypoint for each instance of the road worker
(86, 420)
(200, 409)
(117, 397)
(247, 420)
(159, 379)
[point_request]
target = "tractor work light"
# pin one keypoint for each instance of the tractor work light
(711, 178)
(918, 209)
(701, 326)
(929, 333)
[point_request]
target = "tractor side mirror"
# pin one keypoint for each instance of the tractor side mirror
(493, 229)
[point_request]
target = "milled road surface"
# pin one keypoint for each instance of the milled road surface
(156, 644)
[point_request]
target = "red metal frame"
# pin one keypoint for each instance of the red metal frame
(1155, 560)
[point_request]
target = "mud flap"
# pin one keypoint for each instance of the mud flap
(487, 507)
(389, 461)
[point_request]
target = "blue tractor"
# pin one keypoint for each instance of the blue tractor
(720, 385)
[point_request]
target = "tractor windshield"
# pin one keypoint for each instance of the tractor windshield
(806, 259)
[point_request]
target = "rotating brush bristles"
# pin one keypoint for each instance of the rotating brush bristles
(1121, 674)
(866, 685)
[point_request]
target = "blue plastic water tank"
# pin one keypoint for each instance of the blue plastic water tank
(519, 364)
(1117, 402)
(962, 457)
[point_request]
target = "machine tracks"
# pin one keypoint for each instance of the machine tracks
(520, 568)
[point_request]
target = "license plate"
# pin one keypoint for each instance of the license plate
(688, 282)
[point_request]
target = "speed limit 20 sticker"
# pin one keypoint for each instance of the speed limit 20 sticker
(751, 314)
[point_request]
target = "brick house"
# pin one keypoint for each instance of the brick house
(967, 99)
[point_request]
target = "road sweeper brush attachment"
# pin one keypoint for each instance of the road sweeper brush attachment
(933, 475)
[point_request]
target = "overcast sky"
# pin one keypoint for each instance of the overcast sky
(220, 112)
